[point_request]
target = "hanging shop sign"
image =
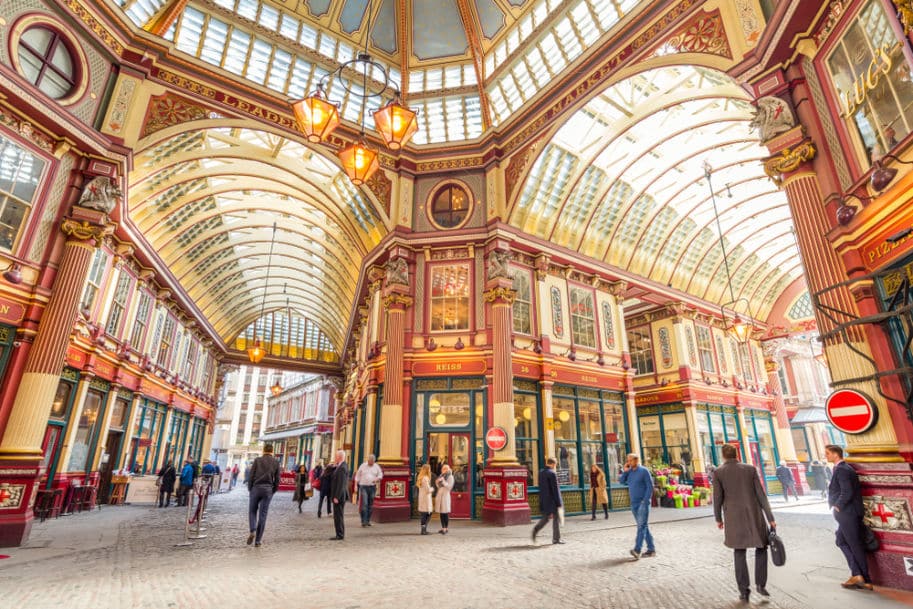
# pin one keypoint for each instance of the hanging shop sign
(851, 411)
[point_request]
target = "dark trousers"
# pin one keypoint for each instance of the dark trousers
(338, 522)
(741, 569)
(788, 488)
(849, 540)
(445, 520)
(325, 496)
(183, 489)
(595, 501)
(164, 498)
(258, 508)
(556, 530)
(426, 516)
(366, 497)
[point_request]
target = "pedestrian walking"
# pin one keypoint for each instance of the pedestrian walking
(235, 470)
(640, 487)
(166, 478)
(444, 485)
(326, 481)
(550, 502)
(366, 478)
(821, 475)
(302, 485)
(599, 494)
(263, 482)
(844, 497)
(186, 482)
(741, 509)
(425, 492)
(787, 482)
(339, 491)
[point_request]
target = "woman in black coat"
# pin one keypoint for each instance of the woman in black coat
(301, 483)
(167, 477)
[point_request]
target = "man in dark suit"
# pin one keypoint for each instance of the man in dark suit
(741, 509)
(549, 501)
(339, 493)
(845, 498)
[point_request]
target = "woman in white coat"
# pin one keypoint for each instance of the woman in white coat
(444, 484)
(425, 504)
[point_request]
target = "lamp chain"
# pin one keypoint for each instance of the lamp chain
(269, 262)
(716, 215)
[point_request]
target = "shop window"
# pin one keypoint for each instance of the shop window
(48, 61)
(448, 409)
(61, 401)
(119, 413)
(522, 307)
(164, 351)
(450, 297)
(147, 437)
(872, 77)
(118, 304)
(745, 357)
(705, 350)
(526, 428)
(87, 428)
(583, 323)
(20, 174)
(763, 435)
(800, 441)
(93, 281)
(641, 348)
(142, 320)
(450, 206)
(565, 425)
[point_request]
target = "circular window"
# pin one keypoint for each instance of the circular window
(47, 61)
(450, 205)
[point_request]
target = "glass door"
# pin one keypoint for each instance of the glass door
(453, 449)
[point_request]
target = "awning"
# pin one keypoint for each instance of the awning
(812, 414)
(280, 435)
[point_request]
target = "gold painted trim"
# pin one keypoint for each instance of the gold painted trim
(789, 160)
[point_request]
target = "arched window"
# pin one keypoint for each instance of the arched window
(47, 61)
(450, 206)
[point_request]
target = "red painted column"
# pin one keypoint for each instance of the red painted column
(781, 427)
(20, 448)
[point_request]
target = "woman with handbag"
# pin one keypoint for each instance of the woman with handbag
(167, 477)
(599, 494)
(444, 484)
(302, 485)
(425, 490)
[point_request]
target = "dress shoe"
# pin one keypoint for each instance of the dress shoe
(336, 538)
(593, 518)
(648, 554)
(744, 597)
(250, 539)
(533, 536)
(857, 582)
(763, 591)
(257, 545)
(635, 554)
(561, 541)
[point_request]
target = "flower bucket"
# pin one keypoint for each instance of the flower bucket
(669, 494)
(679, 500)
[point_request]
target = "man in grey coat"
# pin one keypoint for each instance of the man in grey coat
(740, 507)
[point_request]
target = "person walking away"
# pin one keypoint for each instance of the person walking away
(366, 478)
(326, 480)
(167, 476)
(209, 470)
(599, 493)
(785, 476)
(186, 483)
(262, 483)
(821, 475)
(741, 509)
(425, 490)
(444, 485)
(301, 485)
(339, 491)
(844, 497)
(235, 470)
(549, 501)
(640, 486)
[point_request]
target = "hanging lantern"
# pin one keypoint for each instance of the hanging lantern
(359, 162)
(316, 116)
(740, 329)
(396, 124)
(256, 353)
(276, 389)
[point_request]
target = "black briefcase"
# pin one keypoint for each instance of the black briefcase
(777, 551)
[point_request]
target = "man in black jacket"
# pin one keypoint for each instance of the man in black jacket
(339, 492)
(549, 501)
(845, 498)
(262, 482)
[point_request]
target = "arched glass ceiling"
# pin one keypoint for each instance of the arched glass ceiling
(207, 199)
(288, 334)
(622, 181)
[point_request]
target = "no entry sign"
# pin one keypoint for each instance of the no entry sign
(851, 411)
(496, 438)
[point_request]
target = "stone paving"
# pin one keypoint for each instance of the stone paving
(127, 556)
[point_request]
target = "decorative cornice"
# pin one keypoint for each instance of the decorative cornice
(789, 160)
(500, 293)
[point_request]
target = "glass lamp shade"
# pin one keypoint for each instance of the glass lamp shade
(564, 416)
(276, 389)
(316, 117)
(396, 124)
(359, 162)
(440, 419)
(256, 353)
(740, 329)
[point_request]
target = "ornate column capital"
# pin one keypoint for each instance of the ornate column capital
(789, 159)
(82, 230)
(500, 294)
(395, 300)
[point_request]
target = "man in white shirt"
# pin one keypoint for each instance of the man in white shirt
(366, 478)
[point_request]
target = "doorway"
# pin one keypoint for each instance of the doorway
(453, 449)
(108, 464)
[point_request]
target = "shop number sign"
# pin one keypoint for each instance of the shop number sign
(496, 438)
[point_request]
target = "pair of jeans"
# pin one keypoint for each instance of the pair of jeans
(556, 526)
(741, 570)
(258, 508)
(366, 497)
(641, 517)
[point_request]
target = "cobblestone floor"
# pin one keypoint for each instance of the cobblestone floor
(127, 556)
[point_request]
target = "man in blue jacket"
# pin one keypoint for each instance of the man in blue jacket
(549, 501)
(187, 476)
(640, 485)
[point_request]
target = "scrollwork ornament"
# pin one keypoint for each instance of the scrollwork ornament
(905, 14)
(392, 301)
(789, 160)
(84, 231)
(500, 293)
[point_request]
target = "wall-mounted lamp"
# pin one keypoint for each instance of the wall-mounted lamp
(537, 346)
(899, 236)
(846, 212)
(571, 354)
(882, 176)
(459, 343)
(430, 345)
(13, 273)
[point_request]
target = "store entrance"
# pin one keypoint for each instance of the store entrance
(453, 449)
(108, 463)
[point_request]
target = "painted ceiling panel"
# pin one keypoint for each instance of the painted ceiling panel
(491, 17)
(437, 30)
(385, 33)
(352, 15)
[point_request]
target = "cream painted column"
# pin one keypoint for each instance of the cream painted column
(548, 414)
(744, 445)
(501, 295)
(370, 418)
(785, 444)
(391, 412)
(633, 423)
(697, 452)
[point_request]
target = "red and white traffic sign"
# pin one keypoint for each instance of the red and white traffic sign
(851, 411)
(496, 438)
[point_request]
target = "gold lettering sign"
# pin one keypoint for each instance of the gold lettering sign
(448, 367)
(867, 81)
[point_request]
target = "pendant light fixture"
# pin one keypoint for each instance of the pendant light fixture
(256, 352)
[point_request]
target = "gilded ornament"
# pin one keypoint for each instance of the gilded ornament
(396, 300)
(83, 231)
(905, 13)
(788, 160)
(500, 293)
